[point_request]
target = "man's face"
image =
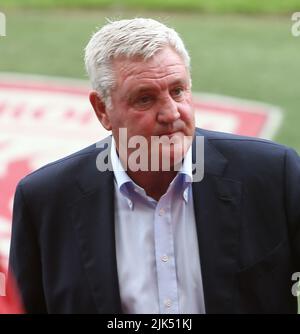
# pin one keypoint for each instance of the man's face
(153, 98)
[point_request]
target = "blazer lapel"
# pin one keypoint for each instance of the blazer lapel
(217, 212)
(93, 218)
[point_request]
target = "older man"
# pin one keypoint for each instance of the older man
(137, 237)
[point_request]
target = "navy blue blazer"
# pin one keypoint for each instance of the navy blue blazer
(247, 210)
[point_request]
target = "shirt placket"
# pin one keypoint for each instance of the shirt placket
(165, 258)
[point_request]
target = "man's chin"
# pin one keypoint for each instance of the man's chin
(167, 159)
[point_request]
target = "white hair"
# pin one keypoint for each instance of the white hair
(136, 37)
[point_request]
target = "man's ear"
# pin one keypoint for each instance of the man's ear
(100, 109)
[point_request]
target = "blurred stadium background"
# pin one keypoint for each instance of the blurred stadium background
(239, 48)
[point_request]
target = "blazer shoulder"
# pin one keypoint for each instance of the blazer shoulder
(222, 140)
(224, 136)
(250, 155)
(62, 169)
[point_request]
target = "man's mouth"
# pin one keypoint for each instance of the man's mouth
(170, 134)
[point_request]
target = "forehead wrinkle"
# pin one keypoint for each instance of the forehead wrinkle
(160, 71)
(131, 68)
(156, 78)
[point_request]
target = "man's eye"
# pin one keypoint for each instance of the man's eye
(144, 101)
(177, 92)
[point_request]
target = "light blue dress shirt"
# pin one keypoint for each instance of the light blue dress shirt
(156, 245)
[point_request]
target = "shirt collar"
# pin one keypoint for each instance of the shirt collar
(185, 173)
(187, 168)
(121, 176)
(126, 185)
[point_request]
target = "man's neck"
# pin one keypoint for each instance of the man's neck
(155, 184)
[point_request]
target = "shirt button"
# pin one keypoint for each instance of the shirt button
(168, 303)
(130, 204)
(165, 258)
(161, 212)
(185, 195)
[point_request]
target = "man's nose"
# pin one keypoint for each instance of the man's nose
(168, 111)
